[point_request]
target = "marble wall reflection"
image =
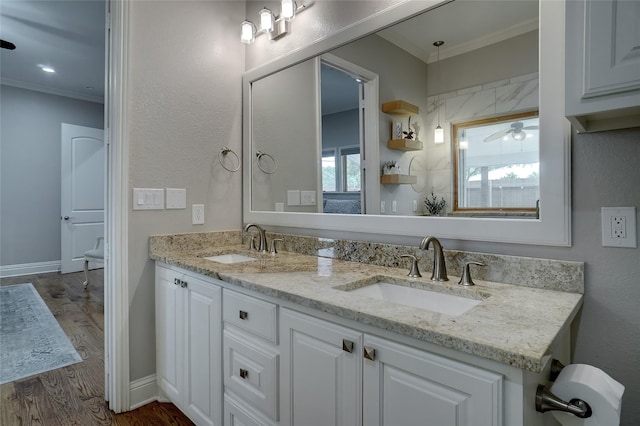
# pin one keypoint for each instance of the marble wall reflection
(505, 96)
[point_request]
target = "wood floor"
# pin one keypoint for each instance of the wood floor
(74, 395)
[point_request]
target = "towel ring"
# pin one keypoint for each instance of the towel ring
(259, 155)
(224, 151)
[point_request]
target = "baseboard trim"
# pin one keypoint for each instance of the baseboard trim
(29, 268)
(143, 391)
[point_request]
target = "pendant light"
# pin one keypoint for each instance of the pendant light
(438, 136)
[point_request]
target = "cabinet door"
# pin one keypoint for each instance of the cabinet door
(321, 371)
(203, 393)
(612, 62)
(405, 386)
(170, 334)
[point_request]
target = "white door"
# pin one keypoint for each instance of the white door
(82, 193)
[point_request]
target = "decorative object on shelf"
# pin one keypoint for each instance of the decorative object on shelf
(438, 136)
(409, 133)
(434, 207)
(416, 129)
(273, 25)
(390, 168)
(396, 130)
(402, 140)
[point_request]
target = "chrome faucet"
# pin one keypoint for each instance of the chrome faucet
(439, 267)
(262, 247)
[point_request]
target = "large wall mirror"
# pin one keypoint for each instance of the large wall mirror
(326, 147)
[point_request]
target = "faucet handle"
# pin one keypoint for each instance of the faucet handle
(273, 250)
(252, 243)
(414, 272)
(465, 279)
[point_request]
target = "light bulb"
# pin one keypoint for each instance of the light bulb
(438, 136)
(519, 135)
(288, 9)
(248, 33)
(266, 20)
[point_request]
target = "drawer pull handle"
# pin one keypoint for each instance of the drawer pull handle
(181, 283)
(347, 345)
(244, 373)
(244, 315)
(369, 353)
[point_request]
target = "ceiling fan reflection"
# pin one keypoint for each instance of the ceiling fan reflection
(517, 131)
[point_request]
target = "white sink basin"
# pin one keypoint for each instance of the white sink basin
(230, 258)
(418, 298)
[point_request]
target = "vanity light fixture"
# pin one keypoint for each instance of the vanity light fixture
(273, 25)
(438, 136)
(267, 21)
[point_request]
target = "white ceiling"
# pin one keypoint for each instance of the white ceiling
(65, 35)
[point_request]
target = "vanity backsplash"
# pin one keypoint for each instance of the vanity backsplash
(547, 274)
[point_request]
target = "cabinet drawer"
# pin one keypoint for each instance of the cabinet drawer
(250, 314)
(251, 372)
(236, 413)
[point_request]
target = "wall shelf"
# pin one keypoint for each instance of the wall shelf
(404, 144)
(397, 179)
(400, 108)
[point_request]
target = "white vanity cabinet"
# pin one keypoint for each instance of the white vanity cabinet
(227, 355)
(188, 342)
(335, 375)
(602, 64)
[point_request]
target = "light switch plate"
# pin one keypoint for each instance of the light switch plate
(308, 198)
(293, 198)
(176, 198)
(148, 199)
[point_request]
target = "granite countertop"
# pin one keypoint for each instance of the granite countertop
(513, 324)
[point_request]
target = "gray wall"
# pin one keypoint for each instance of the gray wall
(605, 172)
(286, 133)
(30, 170)
(185, 65)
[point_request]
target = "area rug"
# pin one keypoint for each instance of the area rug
(31, 340)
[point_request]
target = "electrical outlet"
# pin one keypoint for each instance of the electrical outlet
(394, 206)
(415, 206)
(382, 206)
(619, 227)
(197, 214)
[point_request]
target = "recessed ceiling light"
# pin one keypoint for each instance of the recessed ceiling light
(46, 68)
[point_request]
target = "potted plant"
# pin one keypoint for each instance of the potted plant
(434, 206)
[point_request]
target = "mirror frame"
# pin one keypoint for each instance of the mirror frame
(554, 225)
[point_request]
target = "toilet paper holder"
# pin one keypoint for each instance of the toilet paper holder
(547, 401)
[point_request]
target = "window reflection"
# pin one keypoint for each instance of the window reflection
(497, 164)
